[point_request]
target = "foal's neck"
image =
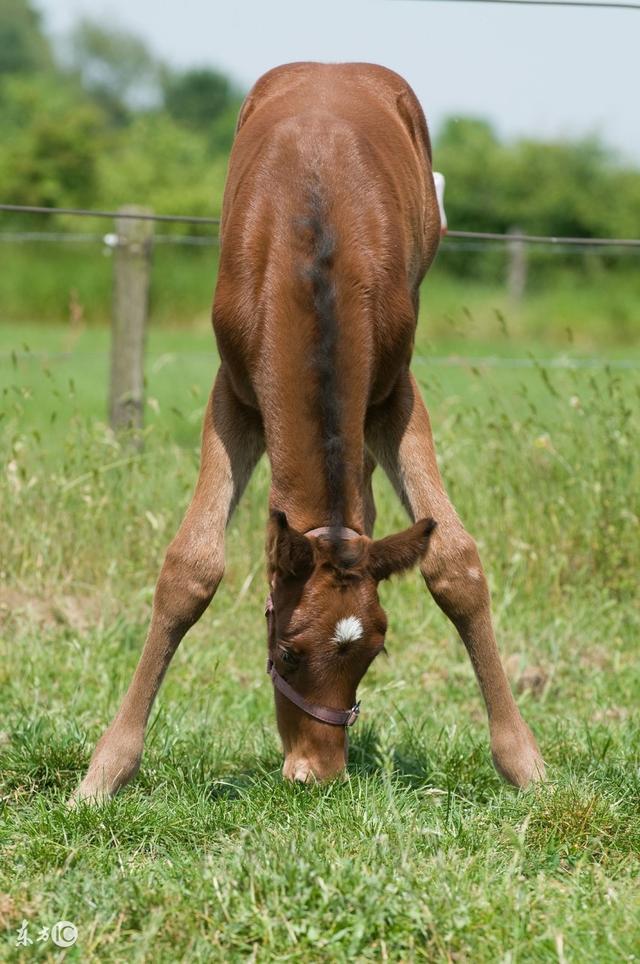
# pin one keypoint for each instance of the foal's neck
(299, 481)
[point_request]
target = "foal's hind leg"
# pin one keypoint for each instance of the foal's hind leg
(400, 437)
(232, 443)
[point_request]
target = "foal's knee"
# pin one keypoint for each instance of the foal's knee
(187, 583)
(453, 572)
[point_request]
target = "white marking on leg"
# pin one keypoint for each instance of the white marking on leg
(347, 630)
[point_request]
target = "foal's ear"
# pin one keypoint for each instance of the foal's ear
(290, 553)
(401, 551)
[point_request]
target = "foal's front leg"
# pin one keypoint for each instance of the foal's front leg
(232, 443)
(400, 437)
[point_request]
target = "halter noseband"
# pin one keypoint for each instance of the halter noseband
(326, 714)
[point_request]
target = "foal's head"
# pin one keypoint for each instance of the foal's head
(326, 626)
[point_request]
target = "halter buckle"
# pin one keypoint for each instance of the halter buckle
(354, 713)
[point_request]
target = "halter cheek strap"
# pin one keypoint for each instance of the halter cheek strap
(325, 714)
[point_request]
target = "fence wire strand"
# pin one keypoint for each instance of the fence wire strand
(129, 215)
(64, 237)
(454, 243)
(597, 5)
(502, 236)
(545, 239)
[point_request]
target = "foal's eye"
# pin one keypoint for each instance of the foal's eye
(286, 655)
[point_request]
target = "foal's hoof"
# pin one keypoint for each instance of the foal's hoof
(115, 761)
(97, 787)
(516, 757)
(88, 793)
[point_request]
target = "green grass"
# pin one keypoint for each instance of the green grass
(49, 283)
(423, 854)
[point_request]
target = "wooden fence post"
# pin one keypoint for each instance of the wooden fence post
(132, 270)
(517, 266)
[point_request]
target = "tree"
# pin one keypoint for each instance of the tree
(115, 67)
(197, 98)
(164, 165)
(52, 140)
(23, 47)
(561, 188)
(471, 157)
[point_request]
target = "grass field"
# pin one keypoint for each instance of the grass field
(423, 854)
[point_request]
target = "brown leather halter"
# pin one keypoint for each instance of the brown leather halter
(326, 714)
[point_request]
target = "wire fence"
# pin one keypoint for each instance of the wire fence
(452, 243)
(127, 215)
(64, 237)
(128, 352)
(596, 4)
(477, 238)
(546, 239)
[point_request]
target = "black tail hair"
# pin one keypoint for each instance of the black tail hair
(325, 357)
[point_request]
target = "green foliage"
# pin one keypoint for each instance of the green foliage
(574, 189)
(23, 47)
(205, 101)
(115, 66)
(561, 189)
(169, 166)
(471, 158)
(197, 97)
(52, 158)
(555, 188)
(94, 131)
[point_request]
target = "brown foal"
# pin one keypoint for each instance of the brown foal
(329, 223)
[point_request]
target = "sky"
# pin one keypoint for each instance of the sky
(531, 71)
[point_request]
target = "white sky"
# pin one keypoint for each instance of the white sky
(532, 71)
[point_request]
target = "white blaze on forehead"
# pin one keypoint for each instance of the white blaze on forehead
(347, 630)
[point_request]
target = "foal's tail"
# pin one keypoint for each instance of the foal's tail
(325, 359)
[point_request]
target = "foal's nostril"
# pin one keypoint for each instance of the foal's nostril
(297, 770)
(301, 770)
(303, 773)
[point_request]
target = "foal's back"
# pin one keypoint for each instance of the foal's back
(330, 175)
